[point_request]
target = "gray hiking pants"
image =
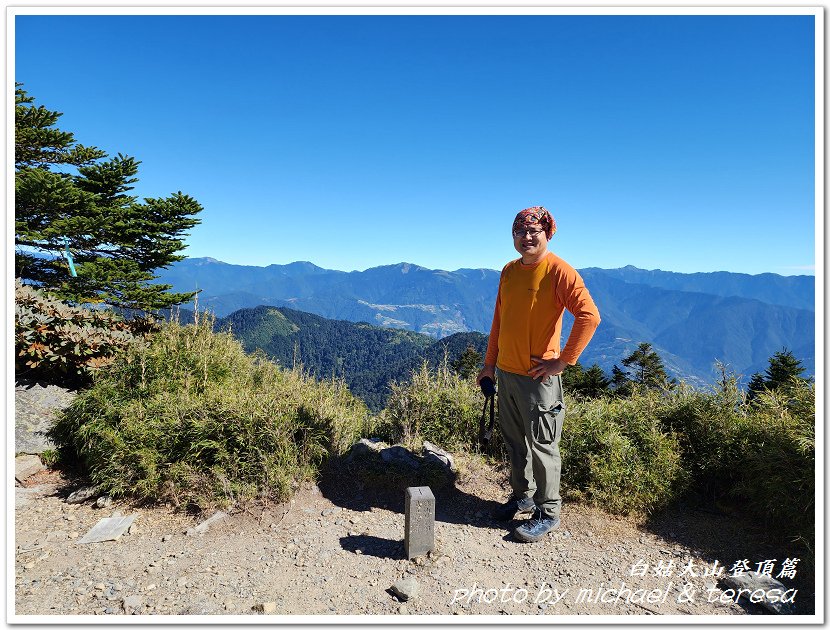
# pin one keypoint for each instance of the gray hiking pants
(531, 412)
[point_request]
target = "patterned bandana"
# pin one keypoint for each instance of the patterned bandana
(535, 215)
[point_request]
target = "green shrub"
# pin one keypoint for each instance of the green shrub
(58, 343)
(640, 453)
(761, 455)
(616, 455)
(711, 427)
(191, 419)
(778, 468)
(438, 405)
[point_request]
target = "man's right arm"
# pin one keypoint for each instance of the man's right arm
(490, 357)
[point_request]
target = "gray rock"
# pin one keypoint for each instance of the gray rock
(366, 447)
(103, 502)
(202, 527)
(35, 411)
(133, 604)
(27, 465)
(108, 529)
(82, 494)
(399, 455)
(406, 589)
(434, 453)
(762, 585)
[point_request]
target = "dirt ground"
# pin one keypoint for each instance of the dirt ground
(336, 549)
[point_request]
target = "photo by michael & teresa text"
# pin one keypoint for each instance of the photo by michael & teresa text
(611, 595)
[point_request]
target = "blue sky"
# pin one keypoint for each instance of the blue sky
(682, 143)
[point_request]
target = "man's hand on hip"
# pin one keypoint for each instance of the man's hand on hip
(546, 367)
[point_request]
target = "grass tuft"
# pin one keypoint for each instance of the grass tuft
(192, 420)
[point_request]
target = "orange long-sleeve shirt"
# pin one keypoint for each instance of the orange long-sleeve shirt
(528, 316)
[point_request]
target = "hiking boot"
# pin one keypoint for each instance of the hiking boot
(535, 528)
(514, 506)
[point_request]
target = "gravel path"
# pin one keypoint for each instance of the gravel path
(329, 554)
(336, 549)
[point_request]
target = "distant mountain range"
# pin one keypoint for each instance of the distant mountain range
(692, 320)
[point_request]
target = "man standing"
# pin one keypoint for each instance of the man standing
(534, 291)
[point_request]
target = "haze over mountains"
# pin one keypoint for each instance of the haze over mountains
(692, 320)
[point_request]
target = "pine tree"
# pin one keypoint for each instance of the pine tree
(620, 382)
(572, 377)
(590, 383)
(757, 384)
(595, 383)
(467, 363)
(783, 370)
(68, 196)
(647, 368)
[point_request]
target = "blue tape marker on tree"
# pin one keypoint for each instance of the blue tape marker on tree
(68, 255)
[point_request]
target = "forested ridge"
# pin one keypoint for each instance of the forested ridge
(367, 357)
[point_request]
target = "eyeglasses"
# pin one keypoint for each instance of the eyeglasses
(523, 233)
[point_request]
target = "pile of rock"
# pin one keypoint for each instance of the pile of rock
(432, 466)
